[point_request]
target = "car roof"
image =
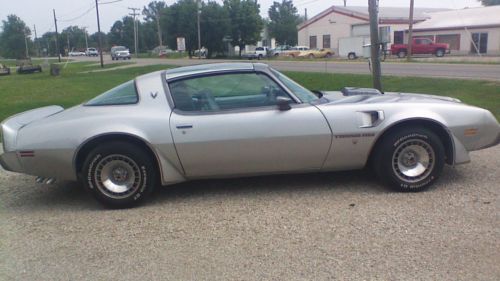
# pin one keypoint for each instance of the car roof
(179, 72)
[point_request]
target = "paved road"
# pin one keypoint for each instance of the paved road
(332, 226)
(462, 71)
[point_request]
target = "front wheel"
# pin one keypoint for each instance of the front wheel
(439, 53)
(401, 54)
(119, 174)
(409, 159)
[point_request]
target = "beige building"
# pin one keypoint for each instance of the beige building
(468, 31)
(325, 29)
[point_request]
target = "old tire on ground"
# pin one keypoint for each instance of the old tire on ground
(401, 54)
(409, 160)
(119, 174)
(439, 53)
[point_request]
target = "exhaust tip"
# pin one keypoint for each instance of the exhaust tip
(40, 179)
(50, 181)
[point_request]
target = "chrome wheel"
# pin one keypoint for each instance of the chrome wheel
(117, 176)
(413, 160)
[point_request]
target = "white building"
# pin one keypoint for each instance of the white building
(325, 29)
(468, 31)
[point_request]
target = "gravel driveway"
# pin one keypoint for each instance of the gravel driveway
(299, 227)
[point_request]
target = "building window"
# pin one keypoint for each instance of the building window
(451, 39)
(313, 44)
(326, 41)
(479, 43)
(399, 37)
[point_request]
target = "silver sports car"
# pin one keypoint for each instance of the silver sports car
(239, 119)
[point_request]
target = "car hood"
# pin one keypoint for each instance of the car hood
(336, 97)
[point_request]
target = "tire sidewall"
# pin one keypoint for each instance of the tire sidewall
(388, 148)
(138, 155)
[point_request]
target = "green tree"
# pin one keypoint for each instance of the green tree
(75, 36)
(490, 2)
(180, 21)
(246, 23)
(214, 25)
(284, 19)
(153, 14)
(122, 33)
(12, 38)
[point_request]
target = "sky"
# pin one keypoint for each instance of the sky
(82, 12)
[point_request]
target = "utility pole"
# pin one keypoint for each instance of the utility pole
(99, 40)
(198, 12)
(37, 46)
(158, 26)
(26, 43)
(57, 36)
(69, 47)
(375, 46)
(345, 3)
(86, 40)
(134, 14)
(410, 33)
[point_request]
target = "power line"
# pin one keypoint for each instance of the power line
(80, 16)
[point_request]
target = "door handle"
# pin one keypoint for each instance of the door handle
(184, 127)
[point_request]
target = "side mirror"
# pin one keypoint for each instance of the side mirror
(283, 103)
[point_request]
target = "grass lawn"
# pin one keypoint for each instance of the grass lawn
(22, 92)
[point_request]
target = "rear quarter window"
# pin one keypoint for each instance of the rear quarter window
(125, 93)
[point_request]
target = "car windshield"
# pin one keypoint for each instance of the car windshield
(120, 48)
(302, 93)
(122, 94)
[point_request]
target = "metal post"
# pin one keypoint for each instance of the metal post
(199, 35)
(99, 42)
(375, 46)
(57, 36)
(410, 33)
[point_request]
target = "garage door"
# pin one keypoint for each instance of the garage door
(361, 30)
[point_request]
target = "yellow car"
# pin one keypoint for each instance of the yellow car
(316, 53)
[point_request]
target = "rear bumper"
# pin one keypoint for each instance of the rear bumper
(10, 162)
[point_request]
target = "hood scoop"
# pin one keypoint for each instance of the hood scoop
(353, 91)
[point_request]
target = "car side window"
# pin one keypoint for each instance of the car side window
(225, 92)
(125, 93)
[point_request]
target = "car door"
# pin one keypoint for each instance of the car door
(229, 124)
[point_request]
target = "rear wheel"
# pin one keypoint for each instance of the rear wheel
(310, 56)
(401, 54)
(119, 174)
(409, 159)
(351, 56)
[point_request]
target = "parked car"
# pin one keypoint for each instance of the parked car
(26, 66)
(120, 52)
(91, 52)
(76, 53)
(316, 53)
(4, 70)
(239, 119)
(421, 46)
(280, 50)
(295, 51)
(259, 53)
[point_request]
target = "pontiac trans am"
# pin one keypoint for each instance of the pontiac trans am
(239, 119)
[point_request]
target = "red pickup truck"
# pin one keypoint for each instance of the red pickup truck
(421, 46)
